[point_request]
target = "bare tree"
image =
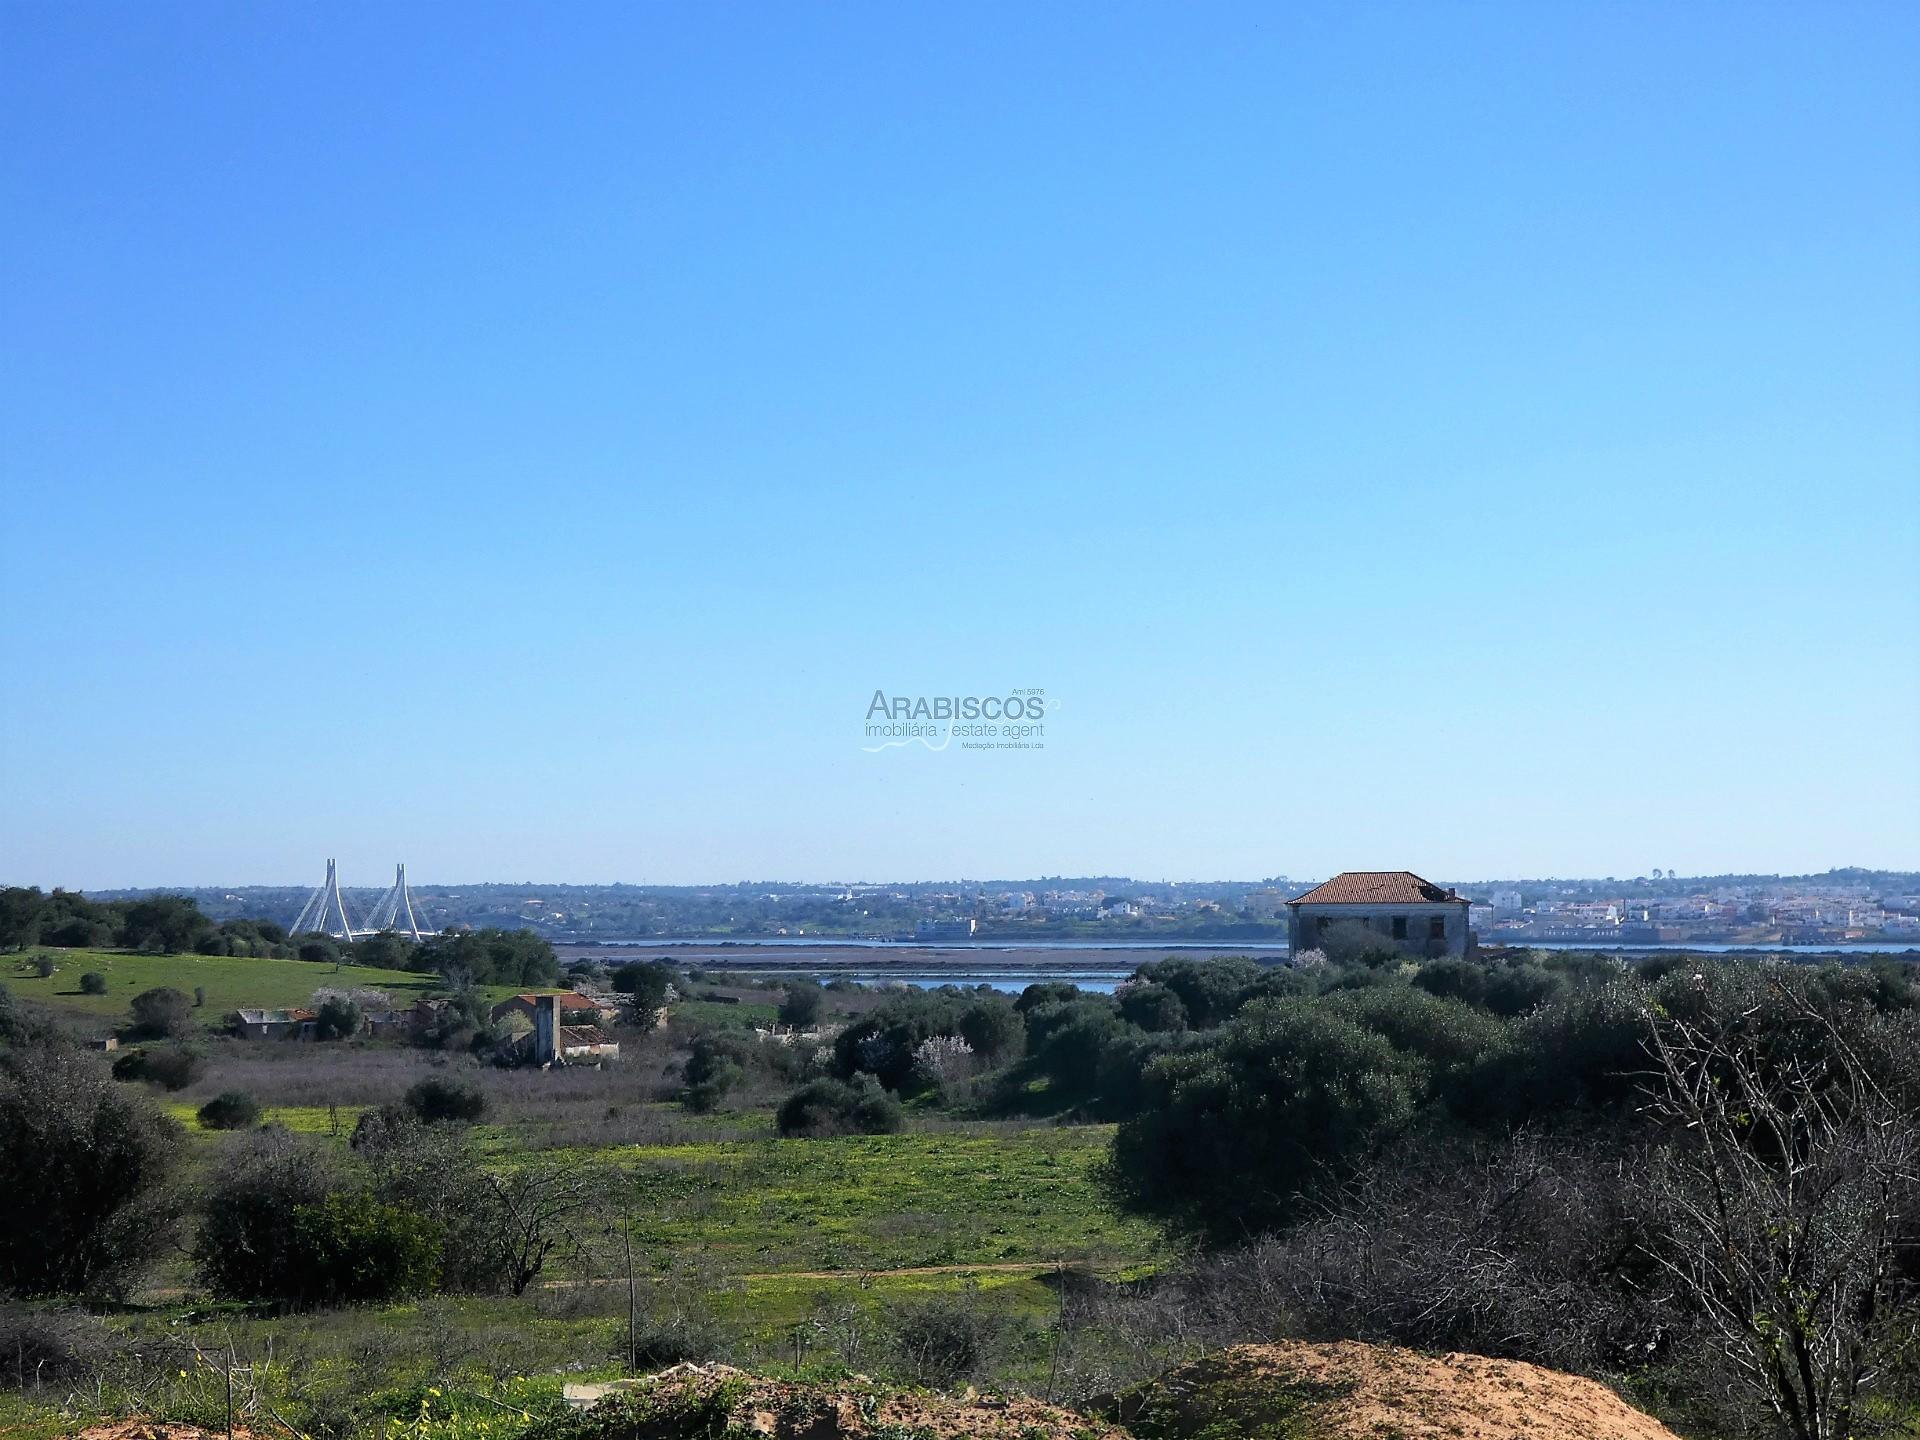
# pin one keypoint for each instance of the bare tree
(1788, 1180)
(534, 1206)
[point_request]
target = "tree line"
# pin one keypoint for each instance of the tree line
(174, 924)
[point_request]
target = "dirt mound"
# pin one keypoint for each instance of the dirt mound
(156, 1430)
(691, 1400)
(1350, 1391)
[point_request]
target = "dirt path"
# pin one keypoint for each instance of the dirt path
(1006, 1267)
(996, 1267)
(999, 1267)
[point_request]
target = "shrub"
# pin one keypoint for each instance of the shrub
(706, 1097)
(229, 1110)
(1352, 942)
(1526, 1248)
(43, 966)
(667, 1336)
(337, 1019)
(861, 1106)
(1068, 1042)
(941, 1060)
(940, 1342)
(93, 983)
(1587, 1052)
(162, 1013)
(1046, 992)
(1236, 1134)
(352, 1249)
(1210, 990)
(383, 1126)
(44, 1345)
(1153, 1007)
(1120, 1083)
(171, 1067)
(277, 1226)
(802, 1004)
(883, 1041)
(717, 1064)
(1447, 1035)
(83, 1205)
(992, 1028)
(435, 1099)
(1464, 980)
(246, 1247)
(1517, 989)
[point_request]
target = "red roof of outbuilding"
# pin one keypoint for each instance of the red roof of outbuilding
(1375, 887)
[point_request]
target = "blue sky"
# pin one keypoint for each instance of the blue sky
(1482, 438)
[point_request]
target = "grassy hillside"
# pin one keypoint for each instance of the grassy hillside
(229, 981)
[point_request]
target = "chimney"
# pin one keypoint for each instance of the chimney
(546, 1029)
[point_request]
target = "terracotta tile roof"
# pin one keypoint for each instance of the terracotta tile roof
(1375, 887)
(583, 1035)
(569, 1000)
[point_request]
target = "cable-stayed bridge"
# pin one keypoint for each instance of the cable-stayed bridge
(326, 911)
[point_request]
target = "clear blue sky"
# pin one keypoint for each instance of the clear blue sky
(1478, 438)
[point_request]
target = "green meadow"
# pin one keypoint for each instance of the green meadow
(978, 1194)
(229, 981)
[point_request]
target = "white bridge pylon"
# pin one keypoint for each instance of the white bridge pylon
(394, 910)
(326, 912)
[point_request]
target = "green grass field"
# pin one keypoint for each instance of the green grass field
(714, 1014)
(982, 1195)
(230, 982)
(336, 1122)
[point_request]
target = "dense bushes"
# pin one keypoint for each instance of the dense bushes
(280, 1225)
(939, 1342)
(1154, 1007)
(802, 1004)
(649, 982)
(490, 957)
(93, 983)
(437, 1098)
(716, 1065)
(413, 1210)
(229, 1110)
(169, 923)
(1210, 991)
(337, 1019)
(1234, 1136)
(83, 1206)
(171, 1067)
(1066, 1041)
(351, 1248)
(886, 1041)
(246, 1246)
(861, 1106)
(161, 1013)
(54, 1345)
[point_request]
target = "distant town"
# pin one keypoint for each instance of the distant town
(1842, 906)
